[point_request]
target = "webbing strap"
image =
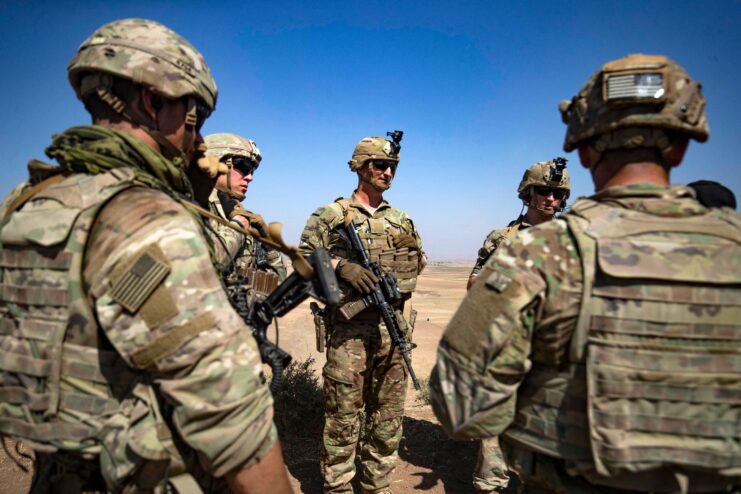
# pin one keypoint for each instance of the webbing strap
(40, 402)
(46, 432)
(27, 194)
(13, 362)
(587, 252)
(58, 297)
(169, 342)
(32, 259)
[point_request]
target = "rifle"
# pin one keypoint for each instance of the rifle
(294, 290)
(383, 295)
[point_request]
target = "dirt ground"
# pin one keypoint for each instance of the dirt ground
(429, 461)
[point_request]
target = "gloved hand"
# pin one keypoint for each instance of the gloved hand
(402, 240)
(256, 221)
(360, 278)
(209, 165)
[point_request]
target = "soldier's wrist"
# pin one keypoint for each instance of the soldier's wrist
(339, 266)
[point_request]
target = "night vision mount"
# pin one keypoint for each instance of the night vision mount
(396, 136)
(557, 171)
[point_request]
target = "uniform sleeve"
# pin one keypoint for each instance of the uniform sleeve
(490, 244)
(161, 305)
(317, 230)
(276, 263)
(422, 254)
(227, 241)
(527, 289)
(529, 293)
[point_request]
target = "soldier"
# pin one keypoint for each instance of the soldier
(363, 370)
(543, 190)
(122, 363)
(262, 266)
(604, 347)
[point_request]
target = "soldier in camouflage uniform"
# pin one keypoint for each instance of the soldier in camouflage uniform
(604, 347)
(544, 193)
(262, 266)
(363, 370)
(122, 363)
(543, 190)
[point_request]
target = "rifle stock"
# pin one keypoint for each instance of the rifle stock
(294, 290)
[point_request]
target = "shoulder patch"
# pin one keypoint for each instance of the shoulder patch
(498, 281)
(137, 279)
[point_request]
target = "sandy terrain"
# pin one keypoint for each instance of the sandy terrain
(429, 462)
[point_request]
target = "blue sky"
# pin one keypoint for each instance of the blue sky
(475, 86)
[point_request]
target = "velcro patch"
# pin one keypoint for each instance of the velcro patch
(133, 284)
(498, 281)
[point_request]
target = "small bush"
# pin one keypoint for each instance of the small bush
(423, 395)
(299, 404)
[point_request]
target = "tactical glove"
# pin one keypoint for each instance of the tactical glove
(360, 278)
(256, 221)
(402, 240)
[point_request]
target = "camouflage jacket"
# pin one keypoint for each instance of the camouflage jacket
(150, 346)
(322, 230)
(494, 240)
(231, 240)
(523, 318)
(242, 248)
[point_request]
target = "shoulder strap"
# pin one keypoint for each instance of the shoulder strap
(27, 194)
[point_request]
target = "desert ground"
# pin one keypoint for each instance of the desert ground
(429, 461)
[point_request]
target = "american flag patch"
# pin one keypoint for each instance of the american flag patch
(142, 276)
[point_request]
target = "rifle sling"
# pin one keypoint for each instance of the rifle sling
(300, 264)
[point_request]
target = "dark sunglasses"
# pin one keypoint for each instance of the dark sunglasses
(202, 114)
(245, 165)
(546, 191)
(382, 165)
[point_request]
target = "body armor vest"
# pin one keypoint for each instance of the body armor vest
(651, 376)
(60, 388)
(376, 233)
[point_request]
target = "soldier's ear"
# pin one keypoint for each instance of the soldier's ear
(585, 157)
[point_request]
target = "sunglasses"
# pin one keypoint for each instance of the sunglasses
(382, 165)
(546, 191)
(202, 114)
(244, 165)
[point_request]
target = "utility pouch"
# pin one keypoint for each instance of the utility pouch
(353, 308)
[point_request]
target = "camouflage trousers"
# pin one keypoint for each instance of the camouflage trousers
(491, 473)
(363, 372)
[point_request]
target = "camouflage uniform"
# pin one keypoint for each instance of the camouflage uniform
(495, 239)
(491, 473)
(604, 347)
(231, 240)
(122, 362)
(225, 147)
(363, 370)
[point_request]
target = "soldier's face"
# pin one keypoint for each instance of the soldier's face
(546, 199)
(379, 174)
(238, 183)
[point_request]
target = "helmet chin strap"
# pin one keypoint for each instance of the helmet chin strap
(102, 84)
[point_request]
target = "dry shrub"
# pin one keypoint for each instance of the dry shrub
(299, 404)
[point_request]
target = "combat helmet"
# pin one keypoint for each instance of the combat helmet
(376, 148)
(635, 101)
(551, 173)
(225, 147)
(149, 54)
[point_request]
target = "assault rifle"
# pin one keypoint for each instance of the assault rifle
(294, 290)
(383, 295)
